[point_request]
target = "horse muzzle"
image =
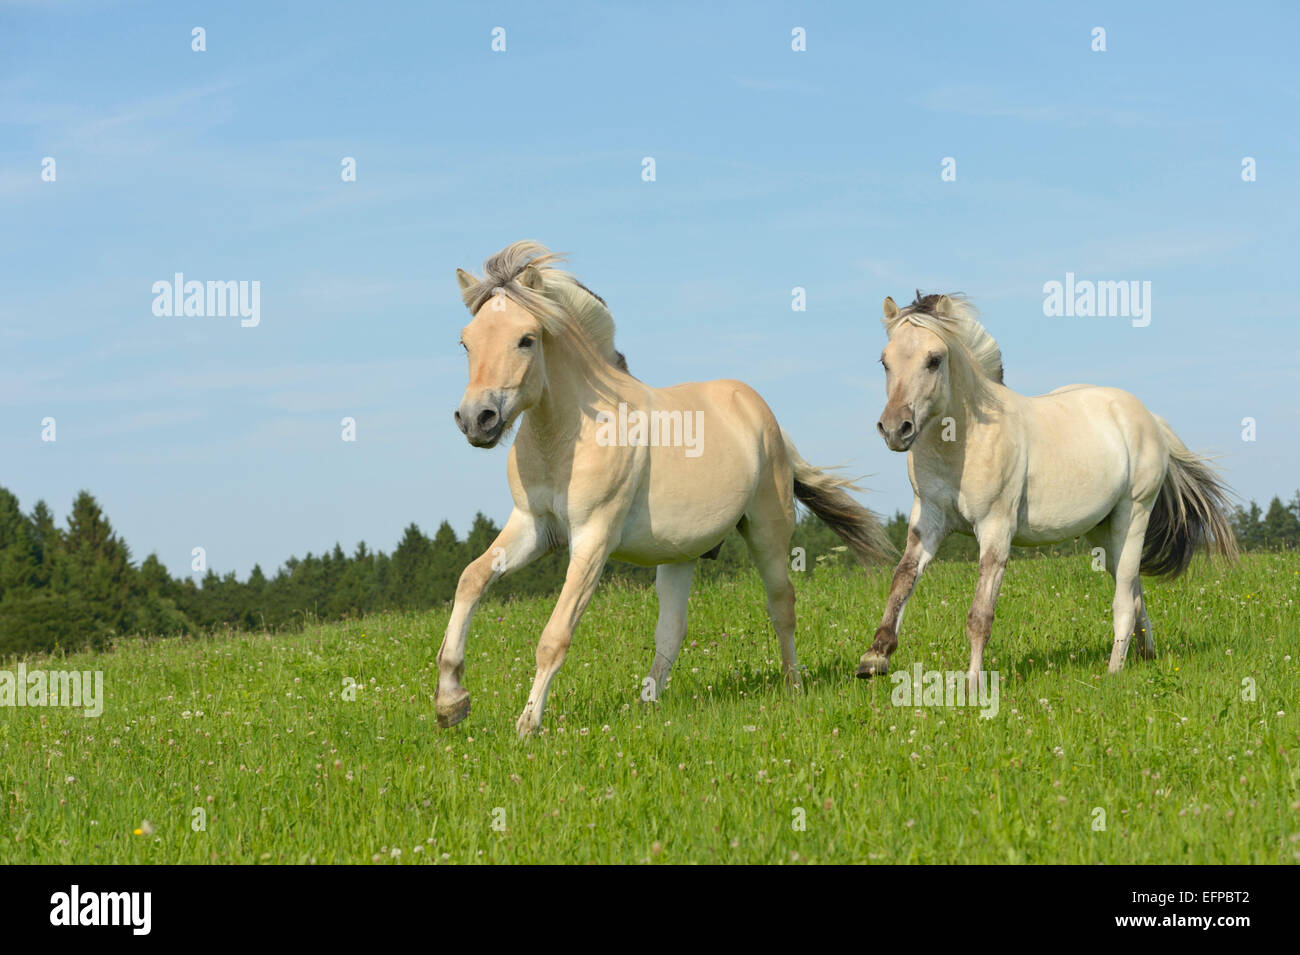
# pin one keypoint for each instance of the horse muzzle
(481, 424)
(898, 431)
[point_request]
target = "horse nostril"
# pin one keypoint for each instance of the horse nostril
(880, 426)
(460, 422)
(486, 418)
(905, 429)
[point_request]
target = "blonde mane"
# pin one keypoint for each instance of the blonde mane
(562, 302)
(957, 323)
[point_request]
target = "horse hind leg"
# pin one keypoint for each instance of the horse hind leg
(1128, 529)
(673, 586)
(1147, 643)
(768, 540)
(1102, 537)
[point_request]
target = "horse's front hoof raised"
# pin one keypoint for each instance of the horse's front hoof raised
(452, 708)
(873, 664)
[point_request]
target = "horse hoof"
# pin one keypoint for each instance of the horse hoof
(873, 664)
(452, 709)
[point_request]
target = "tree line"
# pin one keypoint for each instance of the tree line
(77, 586)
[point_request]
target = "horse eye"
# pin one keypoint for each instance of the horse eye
(933, 363)
(527, 341)
(463, 345)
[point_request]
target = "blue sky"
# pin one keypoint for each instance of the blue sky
(775, 169)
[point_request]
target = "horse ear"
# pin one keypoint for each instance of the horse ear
(891, 310)
(465, 280)
(531, 278)
(943, 306)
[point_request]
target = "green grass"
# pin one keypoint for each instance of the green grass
(254, 729)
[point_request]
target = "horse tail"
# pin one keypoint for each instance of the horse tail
(826, 495)
(1190, 513)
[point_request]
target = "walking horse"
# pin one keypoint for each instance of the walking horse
(612, 467)
(1009, 469)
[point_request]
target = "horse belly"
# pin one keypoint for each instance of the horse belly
(680, 526)
(1067, 498)
(1054, 525)
(685, 512)
(694, 494)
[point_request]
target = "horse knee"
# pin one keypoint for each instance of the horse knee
(780, 602)
(885, 641)
(979, 626)
(551, 650)
(474, 579)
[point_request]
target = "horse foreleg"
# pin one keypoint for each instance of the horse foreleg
(995, 548)
(589, 552)
(924, 535)
(520, 541)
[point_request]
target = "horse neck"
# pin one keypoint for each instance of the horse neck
(969, 414)
(576, 379)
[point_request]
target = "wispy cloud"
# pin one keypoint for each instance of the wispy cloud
(1133, 253)
(992, 102)
(150, 110)
(771, 84)
(272, 386)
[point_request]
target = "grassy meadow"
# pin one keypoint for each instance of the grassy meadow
(245, 748)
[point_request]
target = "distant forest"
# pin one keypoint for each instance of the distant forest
(77, 586)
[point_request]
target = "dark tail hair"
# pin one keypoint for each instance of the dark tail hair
(826, 496)
(1190, 513)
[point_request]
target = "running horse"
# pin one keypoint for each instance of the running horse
(611, 467)
(1009, 469)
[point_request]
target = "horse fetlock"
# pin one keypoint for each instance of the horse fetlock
(1145, 640)
(653, 686)
(528, 723)
(885, 641)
